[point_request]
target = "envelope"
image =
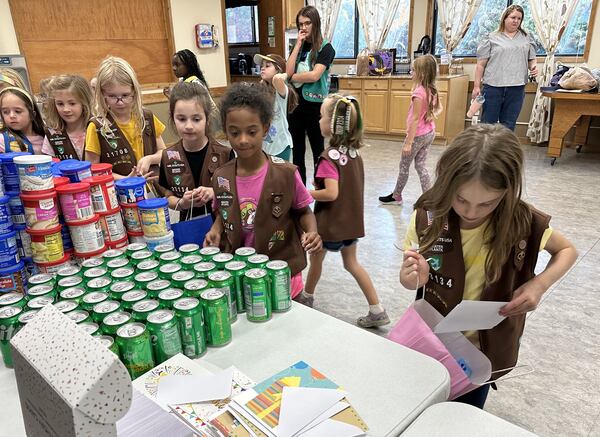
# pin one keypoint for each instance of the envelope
(187, 389)
(471, 315)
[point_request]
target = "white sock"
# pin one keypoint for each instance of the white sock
(376, 309)
(307, 295)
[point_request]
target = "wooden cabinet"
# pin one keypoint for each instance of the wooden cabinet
(399, 104)
(291, 10)
(440, 122)
(375, 111)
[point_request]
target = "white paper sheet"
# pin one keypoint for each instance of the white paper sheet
(333, 428)
(184, 389)
(471, 315)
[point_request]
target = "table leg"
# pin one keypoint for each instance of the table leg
(581, 131)
(563, 119)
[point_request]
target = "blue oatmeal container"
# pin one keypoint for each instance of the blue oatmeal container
(6, 224)
(13, 278)
(9, 252)
(75, 170)
(154, 215)
(130, 190)
(16, 208)
(10, 173)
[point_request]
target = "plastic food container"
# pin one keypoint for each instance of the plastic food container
(153, 242)
(13, 278)
(10, 173)
(23, 241)
(154, 214)
(87, 235)
(102, 168)
(136, 237)
(54, 266)
(75, 201)
(131, 217)
(60, 181)
(41, 211)
(35, 172)
(130, 190)
(82, 257)
(120, 244)
(102, 191)
(66, 236)
(1, 182)
(6, 224)
(75, 170)
(112, 226)
(9, 252)
(46, 245)
(15, 206)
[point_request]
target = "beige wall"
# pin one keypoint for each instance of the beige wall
(8, 38)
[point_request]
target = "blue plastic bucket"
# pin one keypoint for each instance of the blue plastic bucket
(130, 190)
(152, 243)
(9, 253)
(30, 267)
(13, 278)
(16, 208)
(6, 224)
(55, 170)
(154, 216)
(9, 171)
(75, 170)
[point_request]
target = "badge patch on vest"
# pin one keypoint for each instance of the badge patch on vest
(224, 214)
(435, 262)
(225, 199)
(113, 144)
(177, 180)
(277, 236)
(223, 183)
(277, 160)
(61, 150)
(173, 154)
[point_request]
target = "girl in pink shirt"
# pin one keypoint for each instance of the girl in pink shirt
(424, 107)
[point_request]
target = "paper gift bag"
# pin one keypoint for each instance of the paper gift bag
(467, 365)
(193, 230)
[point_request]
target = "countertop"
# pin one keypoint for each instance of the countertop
(396, 76)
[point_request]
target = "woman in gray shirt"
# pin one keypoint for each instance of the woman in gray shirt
(504, 59)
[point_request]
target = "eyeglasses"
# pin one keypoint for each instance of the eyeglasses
(304, 24)
(125, 98)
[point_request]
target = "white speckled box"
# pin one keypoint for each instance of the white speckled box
(69, 384)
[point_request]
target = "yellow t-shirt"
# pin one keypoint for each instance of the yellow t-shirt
(132, 135)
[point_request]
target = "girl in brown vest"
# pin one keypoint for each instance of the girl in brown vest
(260, 199)
(339, 183)
(188, 165)
(478, 240)
(68, 113)
(123, 133)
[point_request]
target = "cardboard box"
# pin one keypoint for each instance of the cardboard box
(69, 384)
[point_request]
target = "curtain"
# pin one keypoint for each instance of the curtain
(376, 17)
(455, 17)
(328, 11)
(551, 18)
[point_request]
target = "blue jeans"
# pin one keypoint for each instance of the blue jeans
(502, 104)
(476, 397)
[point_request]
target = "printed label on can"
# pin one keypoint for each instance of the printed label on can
(132, 220)
(35, 177)
(112, 227)
(47, 248)
(76, 206)
(87, 238)
(44, 216)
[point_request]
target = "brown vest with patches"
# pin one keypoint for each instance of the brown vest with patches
(445, 287)
(177, 168)
(342, 219)
(276, 226)
(116, 150)
(62, 145)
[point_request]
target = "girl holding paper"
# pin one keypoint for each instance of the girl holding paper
(478, 240)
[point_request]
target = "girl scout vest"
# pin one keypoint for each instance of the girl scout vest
(444, 290)
(315, 91)
(343, 218)
(177, 167)
(116, 150)
(277, 232)
(61, 144)
(14, 143)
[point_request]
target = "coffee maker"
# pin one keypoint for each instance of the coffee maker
(244, 63)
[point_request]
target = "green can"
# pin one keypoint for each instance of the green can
(103, 309)
(90, 299)
(91, 263)
(189, 249)
(113, 321)
(170, 257)
(111, 254)
(118, 289)
(141, 255)
(189, 261)
(65, 272)
(148, 265)
(109, 343)
(9, 325)
(257, 295)
(79, 316)
(221, 259)
(163, 248)
(142, 308)
(166, 271)
(223, 281)
(243, 253)
(191, 326)
(94, 273)
(66, 306)
(13, 299)
(281, 288)
(237, 270)
(164, 332)
(41, 290)
(207, 253)
(215, 307)
(118, 263)
(37, 303)
(102, 283)
(91, 328)
(135, 247)
(135, 348)
(27, 317)
(131, 297)
(143, 279)
(73, 293)
(69, 282)
(195, 287)
(203, 269)
(155, 287)
(257, 261)
(41, 279)
(123, 274)
(181, 277)
(168, 297)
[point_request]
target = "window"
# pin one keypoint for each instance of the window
(242, 25)
(487, 19)
(349, 38)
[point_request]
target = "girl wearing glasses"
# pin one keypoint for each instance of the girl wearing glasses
(123, 133)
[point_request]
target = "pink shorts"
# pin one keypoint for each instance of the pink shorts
(297, 285)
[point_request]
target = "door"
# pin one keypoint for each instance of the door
(399, 104)
(375, 110)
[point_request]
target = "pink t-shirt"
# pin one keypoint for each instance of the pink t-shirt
(423, 127)
(77, 139)
(326, 170)
(36, 142)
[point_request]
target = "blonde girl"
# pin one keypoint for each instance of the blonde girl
(123, 133)
(339, 207)
(424, 107)
(482, 241)
(69, 112)
(9, 77)
(23, 129)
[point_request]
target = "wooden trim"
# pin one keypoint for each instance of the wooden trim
(410, 28)
(591, 23)
(429, 18)
(169, 25)
(224, 43)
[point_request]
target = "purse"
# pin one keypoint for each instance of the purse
(578, 78)
(192, 229)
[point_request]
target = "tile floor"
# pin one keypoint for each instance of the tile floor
(562, 396)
